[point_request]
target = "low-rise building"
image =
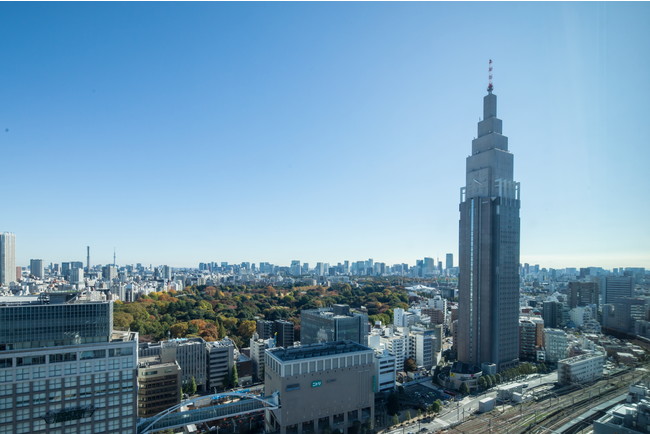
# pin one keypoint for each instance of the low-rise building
(581, 369)
(159, 385)
(385, 371)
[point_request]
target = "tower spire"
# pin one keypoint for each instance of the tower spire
(490, 87)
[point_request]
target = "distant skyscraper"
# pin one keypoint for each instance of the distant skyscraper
(7, 258)
(489, 249)
(449, 261)
(36, 268)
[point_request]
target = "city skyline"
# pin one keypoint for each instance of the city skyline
(180, 134)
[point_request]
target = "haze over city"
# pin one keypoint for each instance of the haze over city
(321, 132)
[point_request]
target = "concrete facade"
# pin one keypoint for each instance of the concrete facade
(63, 370)
(327, 385)
(580, 369)
(159, 386)
(488, 285)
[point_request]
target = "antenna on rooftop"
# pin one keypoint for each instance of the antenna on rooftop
(490, 86)
(113, 256)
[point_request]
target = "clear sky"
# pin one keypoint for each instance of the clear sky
(180, 133)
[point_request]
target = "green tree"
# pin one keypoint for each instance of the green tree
(482, 383)
(395, 419)
(464, 389)
(122, 320)
(190, 387)
(498, 379)
(234, 376)
(436, 406)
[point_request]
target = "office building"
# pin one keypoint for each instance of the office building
(221, 359)
(280, 330)
(62, 367)
(556, 345)
(109, 272)
(616, 288)
(36, 268)
(397, 345)
(190, 353)
(159, 385)
(552, 314)
(449, 261)
(322, 386)
(421, 345)
(385, 372)
(283, 333)
(335, 323)
(531, 337)
(583, 294)
(257, 348)
(488, 285)
(77, 276)
(581, 369)
(7, 258)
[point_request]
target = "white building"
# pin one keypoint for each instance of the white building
(396, 345)
(258, 346)
(581, 369)
(421, 347)
(385, 371)
(7, 258)
(556, 344)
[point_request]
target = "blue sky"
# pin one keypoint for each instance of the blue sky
(180, 133)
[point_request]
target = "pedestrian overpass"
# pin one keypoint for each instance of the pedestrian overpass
(206, 410)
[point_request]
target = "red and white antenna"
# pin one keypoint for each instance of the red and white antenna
(490, 87)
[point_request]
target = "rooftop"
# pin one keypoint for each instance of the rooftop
(317, 350)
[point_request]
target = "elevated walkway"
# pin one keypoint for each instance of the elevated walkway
(205, 411)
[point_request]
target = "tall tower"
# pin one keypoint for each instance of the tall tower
(7, 258)
(489, 249)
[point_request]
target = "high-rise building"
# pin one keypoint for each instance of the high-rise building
(489, 249)
(552, 314)
(221, 358)
(281, 331)
(449, 261)
(36, 268)
(335, 323)
(617, 288)
(7, 258)
(583, 294)
(63, 368)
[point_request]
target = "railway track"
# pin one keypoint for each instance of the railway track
(549, 412)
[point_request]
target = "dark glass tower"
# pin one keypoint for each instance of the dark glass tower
(489, 249)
